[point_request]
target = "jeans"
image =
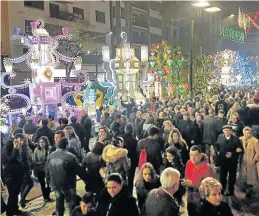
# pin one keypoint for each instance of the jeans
(45, 190)
(27, 185)
(70, 196)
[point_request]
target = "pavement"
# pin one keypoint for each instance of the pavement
(241, 206)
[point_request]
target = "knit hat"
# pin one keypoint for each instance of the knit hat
(115, 177)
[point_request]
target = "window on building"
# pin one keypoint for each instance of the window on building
(28, 27)
(155, 22)
(100, 16)
(155, 6)
(123, 15)
(78, 12)
(113, 12)
(53, 10)
(34, 4)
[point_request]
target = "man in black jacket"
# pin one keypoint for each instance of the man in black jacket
(221, 104)
(79, 129)
(86, 122)
(228, 148)
(186, 127)
(221, 121)
(13, 164)
(62, 168)
(138, 124)
(115, 126)
(44, 131)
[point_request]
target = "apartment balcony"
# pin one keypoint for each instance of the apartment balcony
(66, 16)
(140, 4)
(140, 22)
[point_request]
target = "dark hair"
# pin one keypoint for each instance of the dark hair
(46, 140)
(134, 109)
(106, 115)
(177, 157)
(18, 131)
(153, 131)
(115, 177)
(61, 132)
(117, 116)
(139, 177)
(51, 117)
(88, 197)
(129, 129)
(177, 107)
(221, 112)
(98, 148)
(117, 141)
(19, 135)
(195, 148)
(105, 128)
(63, 143)
(45, 122)
(64, 121)
(73, 119)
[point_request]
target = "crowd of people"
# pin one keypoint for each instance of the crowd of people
(145, 160)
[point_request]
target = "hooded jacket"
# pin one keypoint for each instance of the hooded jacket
(116, 160)
(197, 172)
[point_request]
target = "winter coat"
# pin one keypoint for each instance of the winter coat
(80, 132)
(142, 190)
(183, 150)
(177, 117)
(187, 130)
(250, 167)
(253, 116)
(12, 162)
(131, 145)
(61, 170)
(221, 105)
(29, 127)
(39, 160)
(243, 113)
(206, 208)
(44, 131)
(220, 123)
(197, 172)
(198, 133)
(115, 127)
(237, 128)
(86, 122)
(107, 121)
(129, 107)
(78, 212)
(116, 160)
(122, 204)
(159, 203)
(92, 164)
(138, 127)
(209, 130)
(75, 144)
(223, 146)
(153, 149)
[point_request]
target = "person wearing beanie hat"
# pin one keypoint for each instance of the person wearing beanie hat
(115, 200)
(29, 128)
(86, 206)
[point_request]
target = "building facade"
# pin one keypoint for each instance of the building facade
(141, 20)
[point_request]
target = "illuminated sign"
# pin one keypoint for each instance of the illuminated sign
(232, 34)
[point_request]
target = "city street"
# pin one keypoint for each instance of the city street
(240, 205)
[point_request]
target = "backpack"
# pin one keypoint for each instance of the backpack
(144, 133)
(142, 157)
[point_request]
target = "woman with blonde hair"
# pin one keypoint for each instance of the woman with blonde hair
(236, 106)
(212, 204)
(167, 128)
(249, 174)
(146, 180)
(175, 139)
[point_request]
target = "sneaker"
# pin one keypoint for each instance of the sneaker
(48, 200)
(22, 204)
(19, 213)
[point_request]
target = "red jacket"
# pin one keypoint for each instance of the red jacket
(198, 172)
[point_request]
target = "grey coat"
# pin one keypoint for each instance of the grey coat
(209, 130)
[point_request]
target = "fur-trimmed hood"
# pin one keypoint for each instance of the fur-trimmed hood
(112, 153)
